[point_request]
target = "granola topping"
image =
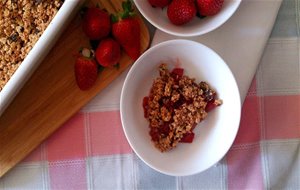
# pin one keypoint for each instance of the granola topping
(22, 22)
(175, 105)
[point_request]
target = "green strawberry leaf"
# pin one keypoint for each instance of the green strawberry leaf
(114, 18)
(100, 68)
(128, 9)
(124, 14)
(127, 6)
(117, 66)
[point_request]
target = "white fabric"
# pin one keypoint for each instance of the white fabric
(241, 40)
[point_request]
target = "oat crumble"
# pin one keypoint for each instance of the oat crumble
(175, 105)
(22, 22)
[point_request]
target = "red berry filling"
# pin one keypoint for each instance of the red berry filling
(174, 107)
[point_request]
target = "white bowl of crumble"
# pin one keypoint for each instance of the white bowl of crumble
(167, 112)
(28, 30)
(197, 26)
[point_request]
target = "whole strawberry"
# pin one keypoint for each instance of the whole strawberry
(159, 3)
(96, 23)
(126, 30)
(86, 70)
(209, 7)
(181, 11)
(108, 53)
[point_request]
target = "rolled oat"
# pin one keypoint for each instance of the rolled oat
(175, 105)
(22, 22)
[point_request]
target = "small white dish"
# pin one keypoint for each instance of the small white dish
(213, 137)
(158, 18)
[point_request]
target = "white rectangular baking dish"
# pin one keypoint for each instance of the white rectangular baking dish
(39, 51)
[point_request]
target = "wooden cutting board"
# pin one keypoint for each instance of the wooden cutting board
(51, 96)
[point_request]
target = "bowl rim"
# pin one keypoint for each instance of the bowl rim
(122, 107)
(187, 34)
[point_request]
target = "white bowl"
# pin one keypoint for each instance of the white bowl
(213, 137)
(158, 18)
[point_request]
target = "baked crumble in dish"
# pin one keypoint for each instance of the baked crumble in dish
(175, 105)
(22, 22)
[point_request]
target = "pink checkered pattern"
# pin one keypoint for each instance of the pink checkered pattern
(90, 150)
(72, 158)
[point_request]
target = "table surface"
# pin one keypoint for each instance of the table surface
(91, 152)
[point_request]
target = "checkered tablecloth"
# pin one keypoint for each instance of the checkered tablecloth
(91, 152)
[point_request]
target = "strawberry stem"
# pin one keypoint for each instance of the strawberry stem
(127, 12)
(86, 52)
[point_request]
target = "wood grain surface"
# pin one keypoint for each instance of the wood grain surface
(51, 96)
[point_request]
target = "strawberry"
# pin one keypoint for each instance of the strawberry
(127, 33)
(187, 138)
(96, 24)
(181, 11)
(126, 30)
(209, 7)
(108, 52)
(212, 104)
(159, 3)
(86, 70)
